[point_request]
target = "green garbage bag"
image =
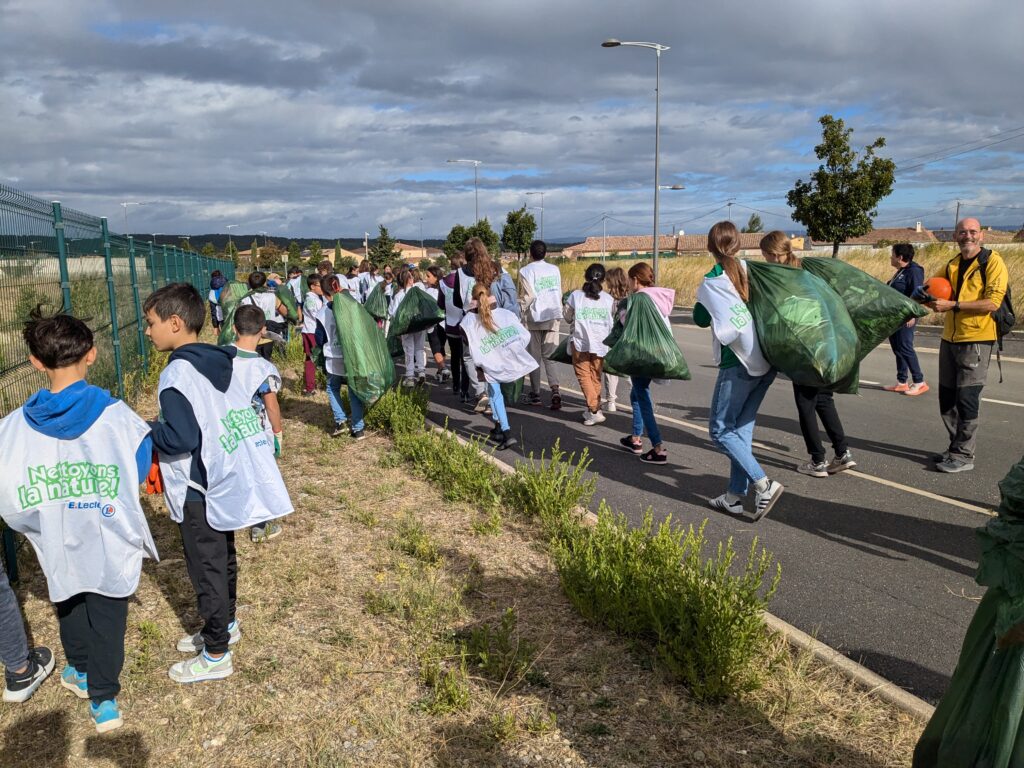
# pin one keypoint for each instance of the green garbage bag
(979, 720)
(395, 348)
(877, 310)
(287, 298)
(368, 367)
(646, 346)
(377, 302)
(561, 353)
(231, 296)
(802, 325)
(512, 391)
(418, 311)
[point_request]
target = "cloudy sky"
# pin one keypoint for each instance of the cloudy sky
(307, 118)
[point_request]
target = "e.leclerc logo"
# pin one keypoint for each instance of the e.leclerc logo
(108, 510)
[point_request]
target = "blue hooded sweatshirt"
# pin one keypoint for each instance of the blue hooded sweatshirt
(67, 414)
(178, 430)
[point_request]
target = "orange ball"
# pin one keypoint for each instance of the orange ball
(938, 287)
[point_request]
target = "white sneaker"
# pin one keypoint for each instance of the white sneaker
(409, 382)
(201, 668)
(598, 417)
(722, 502)
(765, 500)
(588, 418)
(194, 643)
(611, 407)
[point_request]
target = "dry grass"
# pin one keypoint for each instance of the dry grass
(684, 273)
(343, 622)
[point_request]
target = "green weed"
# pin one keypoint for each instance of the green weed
(549, 490)
(412, 539)
(500, 652)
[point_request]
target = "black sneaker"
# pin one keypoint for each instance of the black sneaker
(631, 445)
(556, 401)
(534, 399)
(653, 457)
(507, 441)
(358, 434)
(496, 432)
(21, 687)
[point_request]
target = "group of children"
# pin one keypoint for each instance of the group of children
(74, 491)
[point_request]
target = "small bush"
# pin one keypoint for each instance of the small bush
(704, 622)
(550, 489)
(399, 411)
(460, 471)
(412, 539)
(500, 652)
(449, 686)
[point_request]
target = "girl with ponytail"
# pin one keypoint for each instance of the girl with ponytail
(589, 312)
(616, 283)
(743, 374)
(497, 343)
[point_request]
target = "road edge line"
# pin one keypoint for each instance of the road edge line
(872, 682)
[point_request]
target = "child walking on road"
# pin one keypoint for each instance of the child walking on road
(589, 312)
(743, 374)
(617, 284)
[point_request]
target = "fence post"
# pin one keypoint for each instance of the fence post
(138, 302)
(115, 331)
(62, 256)
(179, 260)
(193, 259)
(152, 265)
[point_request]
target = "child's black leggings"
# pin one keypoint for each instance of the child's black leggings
(92, 632)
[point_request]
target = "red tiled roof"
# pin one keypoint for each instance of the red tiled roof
(890, 234)
(642, 243)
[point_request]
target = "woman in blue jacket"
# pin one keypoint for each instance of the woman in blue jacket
(908, 278)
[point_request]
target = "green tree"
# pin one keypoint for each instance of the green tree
(209, 250)
(185, 244)
(316, 252)
(254, 252)
(231, 251)
(455, 241)
(425, 264)
(753, 224)
(841, 197)
(270, 255)
(483, 230)
(337, 252)
(294, 253)
(518, 232)
(383, 252)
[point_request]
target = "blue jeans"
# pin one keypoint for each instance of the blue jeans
(734, 406)
(643, 409)
(13, 644)
(902, 343)
(498, 412)
(334, 398)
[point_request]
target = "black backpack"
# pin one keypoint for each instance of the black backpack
(1004, 315)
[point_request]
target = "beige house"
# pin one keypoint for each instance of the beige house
(640, 245)
(917, 236)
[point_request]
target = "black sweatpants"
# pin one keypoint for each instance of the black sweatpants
(92, 632)
(812, 403)
(213, 569)
(460, 381)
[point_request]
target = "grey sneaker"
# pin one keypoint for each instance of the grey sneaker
(482, 404)
(953, 465)
(813, 469)
(194, 643)
(259, 534)
(840, 463)
(939, 457)
(200, 668)
(722, 503)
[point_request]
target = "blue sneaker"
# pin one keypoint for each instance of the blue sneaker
(75, 681)
(106, 716)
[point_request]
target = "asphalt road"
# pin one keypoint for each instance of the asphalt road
(877, 562)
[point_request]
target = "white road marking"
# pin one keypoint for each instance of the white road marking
(1001, 402)
(702, 429)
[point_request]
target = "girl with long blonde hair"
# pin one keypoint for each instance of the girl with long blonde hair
(743, 373)
(497, 344)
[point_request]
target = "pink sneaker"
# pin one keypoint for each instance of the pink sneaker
(916, 389)
(901, 387)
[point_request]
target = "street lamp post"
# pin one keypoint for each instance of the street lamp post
(125, 205)
(476, 184)
(657, 48)
(423, 251)
(541, 211)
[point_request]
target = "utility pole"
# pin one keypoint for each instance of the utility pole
(956, 219)
(729, 203)
(604, 235)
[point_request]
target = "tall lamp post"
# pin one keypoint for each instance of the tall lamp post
(125, 205)
(476, 183)
(541, 211)
(657, 48)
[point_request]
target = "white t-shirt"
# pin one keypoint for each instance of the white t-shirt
(267, 301)
(502, 353)
(545, 283)
(312, 308)
(592, 321)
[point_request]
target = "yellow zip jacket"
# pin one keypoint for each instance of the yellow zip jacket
(967, 325)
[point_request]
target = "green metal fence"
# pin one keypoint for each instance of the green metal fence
(63, 258)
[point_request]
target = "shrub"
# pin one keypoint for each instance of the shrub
(460, 471)
(412, 539)
(704, 622)
(399, 412)
(500, 652)
(549, 490)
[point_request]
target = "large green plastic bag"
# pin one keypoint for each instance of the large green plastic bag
(561, 353)
(802, 326)
(646, 346)
(287, 298)
(978, 722)
(231, 296)
(418, 311)
(377, 302)
(511, 391)
(877, 310)
(368, 366)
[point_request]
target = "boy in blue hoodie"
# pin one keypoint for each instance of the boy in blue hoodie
(75, 457)
(209, 440)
